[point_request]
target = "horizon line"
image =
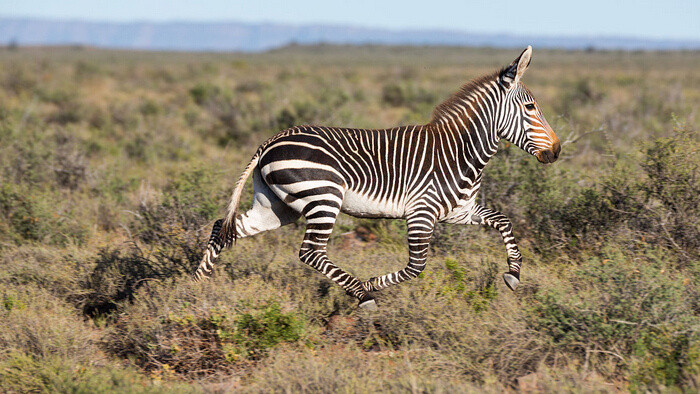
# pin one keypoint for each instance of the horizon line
(685, 40)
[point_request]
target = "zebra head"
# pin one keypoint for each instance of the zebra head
(522, 121)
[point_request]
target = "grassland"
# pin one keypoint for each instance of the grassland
(114, 165)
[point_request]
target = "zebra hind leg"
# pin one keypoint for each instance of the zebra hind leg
(268, 213)
(214, 247)
(313, 253)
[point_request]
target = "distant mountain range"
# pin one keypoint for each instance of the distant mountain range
(252, 37)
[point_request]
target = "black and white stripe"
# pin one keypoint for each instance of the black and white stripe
(425, 174)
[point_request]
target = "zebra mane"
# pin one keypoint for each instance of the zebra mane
(456, 102)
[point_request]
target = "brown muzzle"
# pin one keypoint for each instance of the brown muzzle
(552, 154)
(549, 155)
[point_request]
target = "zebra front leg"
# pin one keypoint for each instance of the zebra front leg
(313, 253)
(420, 230)
(499, 221)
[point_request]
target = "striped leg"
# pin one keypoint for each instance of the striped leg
(313, 252)
(214, 247)
(268, 213)
(420, 229)
(499, 221)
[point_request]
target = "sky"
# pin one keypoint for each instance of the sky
(660, 19)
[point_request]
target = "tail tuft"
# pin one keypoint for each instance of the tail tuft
(224, 233)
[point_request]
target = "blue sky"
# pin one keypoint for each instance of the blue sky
(672, 19)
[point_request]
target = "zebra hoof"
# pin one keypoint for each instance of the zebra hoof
(511, 281)
(368, 304)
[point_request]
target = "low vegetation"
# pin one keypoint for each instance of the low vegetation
(114, 165)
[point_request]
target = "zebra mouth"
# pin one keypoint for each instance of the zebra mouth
(547, 156)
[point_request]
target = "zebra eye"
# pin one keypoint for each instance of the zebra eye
(530, 106)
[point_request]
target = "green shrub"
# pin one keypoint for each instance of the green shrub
(202, 330)
(234, 118)
(169, 238)
(150, 108)
(68, 107)
(666, 357)
(31, 215)
(633, 316)
(671, 199)
(190, 201)
(44, 267)
(407, 95)
(299, 113)
(203, 93)
(476, 287)
(70, 168)
(117, 275)
(349, 369)
(253, 334)
(659, 203)
(20, 213)
(18, 79)
(37, 323)
(393, 95)
(581, 92)
(24, 373)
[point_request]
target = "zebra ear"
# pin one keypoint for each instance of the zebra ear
(512, 74)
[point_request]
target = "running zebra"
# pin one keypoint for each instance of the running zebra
(424, 174)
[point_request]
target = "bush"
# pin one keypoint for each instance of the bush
(31, 215)
(252, 334)
(393, 95)
(406, 95)
(190, 201)
(579, 93)
(69, 167)
(18, 80)
(349, 369)
(24, 373)
(671, 190)
(658, 201)
(299, 113)
(36, 323)
(118, 275)
(634, 317)
(204, 93)
(168, 241)
(199, 330)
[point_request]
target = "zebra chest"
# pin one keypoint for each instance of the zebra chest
(364, 206)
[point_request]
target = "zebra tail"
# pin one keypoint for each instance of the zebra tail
(228, 230)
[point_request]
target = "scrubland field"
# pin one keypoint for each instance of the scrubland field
(114, 166)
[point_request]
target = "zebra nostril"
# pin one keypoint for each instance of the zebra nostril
(550, 156)
(556, 149)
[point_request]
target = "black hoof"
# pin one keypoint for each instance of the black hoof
(511, 281)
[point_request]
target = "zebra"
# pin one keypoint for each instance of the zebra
(424, 174)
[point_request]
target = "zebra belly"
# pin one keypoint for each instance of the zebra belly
(460, 213)
(362, 206)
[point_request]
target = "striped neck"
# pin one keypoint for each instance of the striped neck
(472, 114)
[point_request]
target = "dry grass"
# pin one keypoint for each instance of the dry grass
(114, 165)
